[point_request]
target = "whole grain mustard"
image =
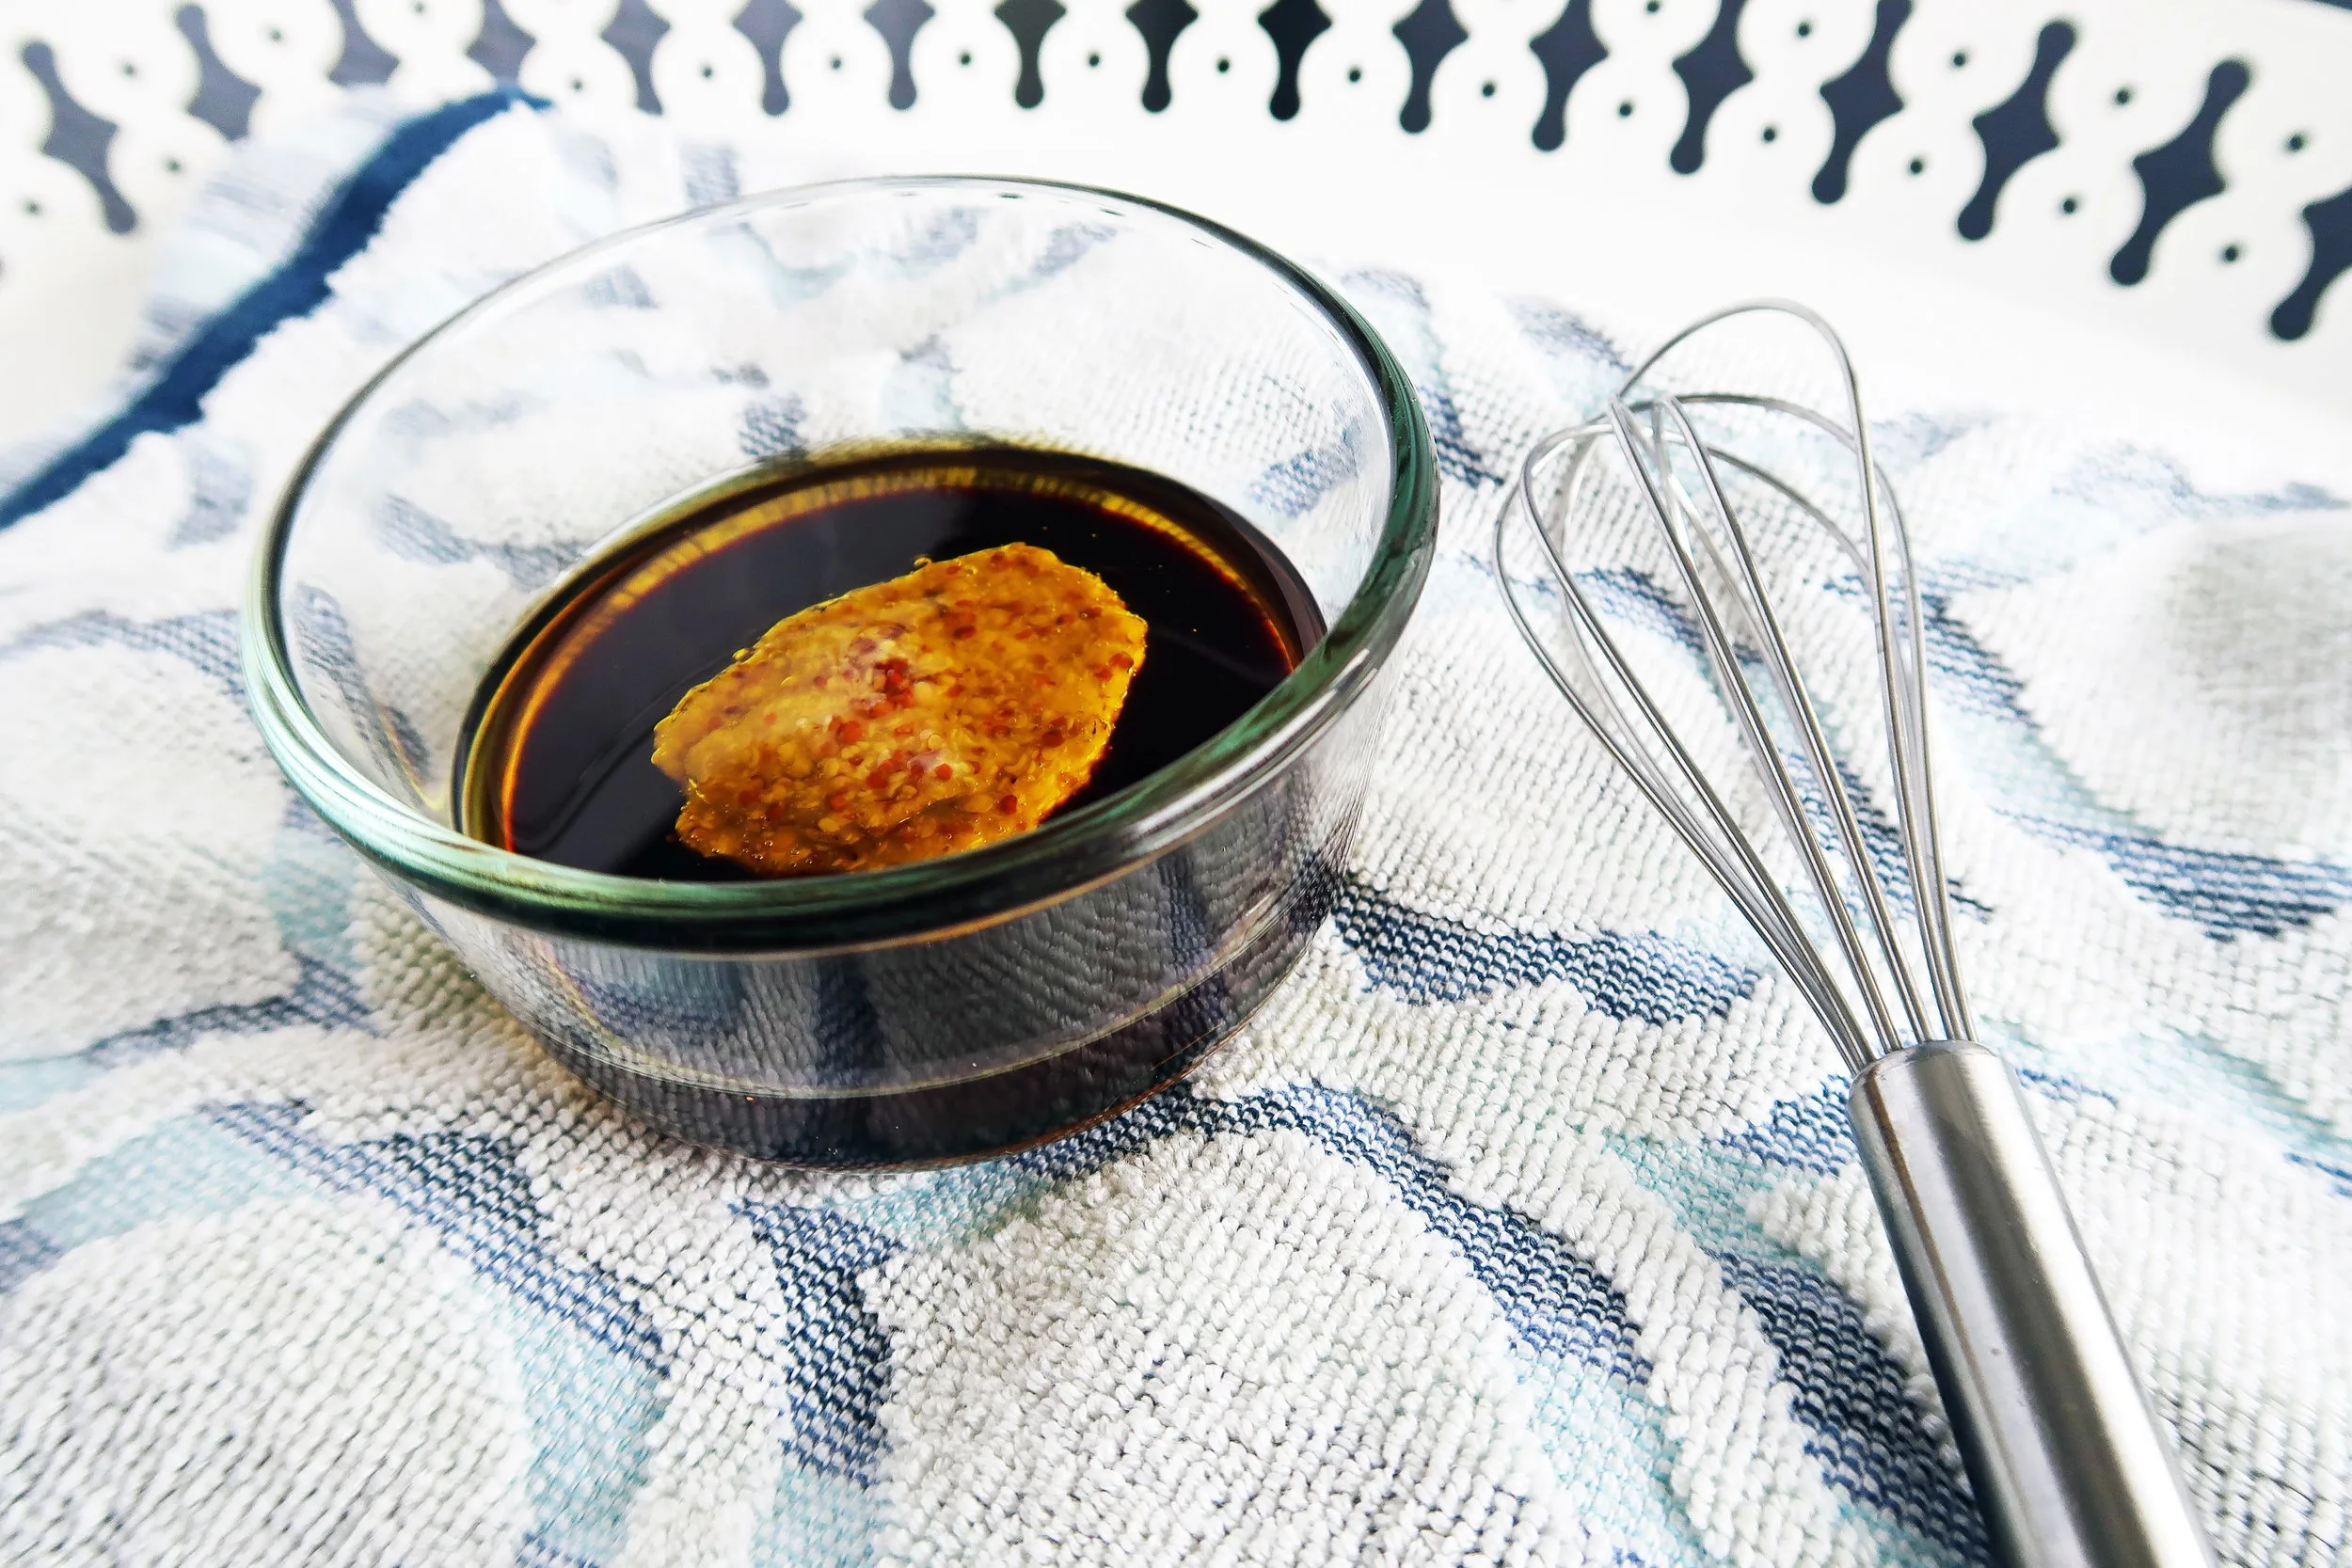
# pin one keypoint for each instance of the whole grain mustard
(950, 707)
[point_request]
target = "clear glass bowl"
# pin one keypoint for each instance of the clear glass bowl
(934, 1012)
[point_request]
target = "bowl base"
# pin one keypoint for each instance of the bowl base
(976, 1118)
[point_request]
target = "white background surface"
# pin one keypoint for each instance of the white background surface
(2027, 316)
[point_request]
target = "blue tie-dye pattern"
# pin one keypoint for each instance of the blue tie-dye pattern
(1881, 841)
(1558, 1303)
(587, 1405)
(417, 420)
(771, 427)
(322, 641)
(950, 234)
(1964, 671)
(1867, 1431)
(711, 176)
(538, 1551)
(206, 639)
(148, 1179)
(2227, 893)
(1399, 310)
(837, 1374)
(24, 1085)
(1567, 1317)
(307, 884)
(1417, 957)
(466, 1187)
(1568, 1321)
(2339, 1176)
(817, 1520)
(23, 1253)
(1292, 487)
(619, 288)
(1633, 597)
(412, 532)
(589, 1411)
(1809, 1133)
(1911, 439)
(2207, 1070)
(591, 1363)
(1571, 342)
(1849, 1393)
(1585, 367)
(1559, 1306)
(2194, 1075)
(788, 284)
(1424, 959)
(1613, 1462)
(220, 487)
(920, 395)
(321, 994)
(2163, 490)
(1064, 247)
(2057, 1086)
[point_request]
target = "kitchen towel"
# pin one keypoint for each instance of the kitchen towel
(1523, 1224)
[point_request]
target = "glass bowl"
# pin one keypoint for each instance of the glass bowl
(940, 1010)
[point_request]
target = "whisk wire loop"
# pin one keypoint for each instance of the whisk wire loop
(1874, 997)
(1819, 852)
(1710, 830)
(1902, 661)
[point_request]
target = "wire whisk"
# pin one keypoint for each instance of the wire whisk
(2065, 1459)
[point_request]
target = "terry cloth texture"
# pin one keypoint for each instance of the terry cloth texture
(1521, 1227)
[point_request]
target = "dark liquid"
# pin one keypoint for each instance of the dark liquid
(560, 766)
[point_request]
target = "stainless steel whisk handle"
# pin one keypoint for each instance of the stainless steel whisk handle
(2069, 1467)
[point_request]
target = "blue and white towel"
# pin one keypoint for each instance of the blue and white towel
(1521, 1226)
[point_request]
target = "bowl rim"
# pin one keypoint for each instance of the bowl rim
(924, 900)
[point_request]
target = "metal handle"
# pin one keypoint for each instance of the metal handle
(2069, 1467)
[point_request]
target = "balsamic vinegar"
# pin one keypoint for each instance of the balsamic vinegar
(559, 761)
